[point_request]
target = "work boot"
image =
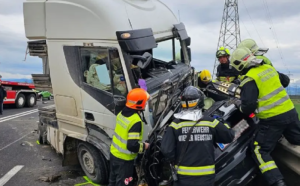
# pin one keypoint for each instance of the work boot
(279, 183)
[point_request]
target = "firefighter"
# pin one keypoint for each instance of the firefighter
(204, 83)
(126, 142)
(262, 91)
(196, 162)
(204, 79)
(224, 71)
(2, 97)
(256, 51)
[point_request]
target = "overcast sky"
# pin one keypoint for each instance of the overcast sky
(202, 20)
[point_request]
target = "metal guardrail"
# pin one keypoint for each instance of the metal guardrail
(288, 154)
(295, 96)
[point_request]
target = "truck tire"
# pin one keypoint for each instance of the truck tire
(30, 100)
(93, 163)
(20, 101)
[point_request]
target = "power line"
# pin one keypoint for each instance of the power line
(271, 57)
(253, 23)
(289, 75)
(272, 28)
(247, 30)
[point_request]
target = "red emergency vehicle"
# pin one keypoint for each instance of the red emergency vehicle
(19, 94)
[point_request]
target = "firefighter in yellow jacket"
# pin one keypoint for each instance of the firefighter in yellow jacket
(262, 89)
(126, 142)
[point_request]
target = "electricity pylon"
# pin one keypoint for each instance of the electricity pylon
(229, 36)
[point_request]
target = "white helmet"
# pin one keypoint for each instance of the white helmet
(251, 45)
(243, 58)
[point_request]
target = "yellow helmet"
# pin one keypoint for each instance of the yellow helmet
(205, 76)
(223, 52)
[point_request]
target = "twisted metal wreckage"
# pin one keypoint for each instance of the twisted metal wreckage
(234, 164)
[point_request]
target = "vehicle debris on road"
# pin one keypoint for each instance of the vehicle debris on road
(52, 178)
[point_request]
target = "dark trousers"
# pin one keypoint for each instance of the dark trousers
(205, 180)
(1, 107)
(122, 173)
(265, 141)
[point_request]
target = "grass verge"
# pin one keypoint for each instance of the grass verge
(297, 105)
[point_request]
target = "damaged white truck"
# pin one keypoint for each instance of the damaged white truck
(97, 51)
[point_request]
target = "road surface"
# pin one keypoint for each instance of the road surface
(24, 162)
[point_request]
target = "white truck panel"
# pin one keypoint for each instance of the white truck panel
(55, 137)
(34, 19)
(95, 19)
(63, 85)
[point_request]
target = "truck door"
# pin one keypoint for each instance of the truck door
(102, 78)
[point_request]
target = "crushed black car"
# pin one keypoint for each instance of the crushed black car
(234, 162)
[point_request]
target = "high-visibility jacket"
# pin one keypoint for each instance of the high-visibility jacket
(118, 147)
(198, 163)
(226, 73)
(266, 60)
(273, 98)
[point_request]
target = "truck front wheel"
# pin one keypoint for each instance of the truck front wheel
(20, 101)
(30, 100)
(93, 163)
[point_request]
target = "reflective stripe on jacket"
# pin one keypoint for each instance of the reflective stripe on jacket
(119, 142)
(273, 98)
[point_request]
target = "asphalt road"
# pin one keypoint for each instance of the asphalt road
(22, 160)
(25, 162)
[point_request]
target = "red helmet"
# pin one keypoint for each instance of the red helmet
(137, 99)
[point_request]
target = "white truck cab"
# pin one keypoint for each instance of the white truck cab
(98, 50)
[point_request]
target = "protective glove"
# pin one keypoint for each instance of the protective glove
(236, 81)
(237, 103)
(147, 146)
(142, 84)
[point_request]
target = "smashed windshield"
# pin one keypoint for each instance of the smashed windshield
(164, 51)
